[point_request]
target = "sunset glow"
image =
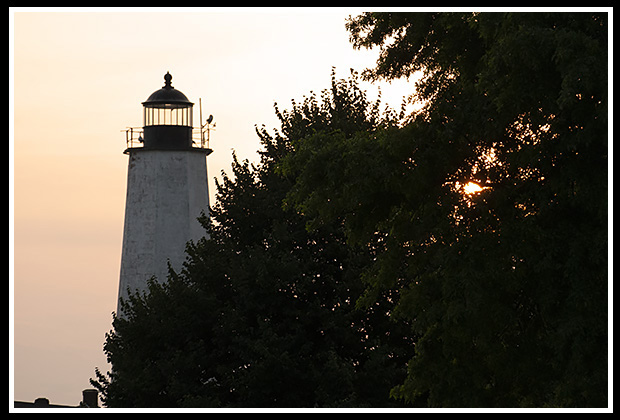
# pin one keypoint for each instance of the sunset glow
(78, 79)
(472, 188)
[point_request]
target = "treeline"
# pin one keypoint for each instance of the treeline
(351, 268)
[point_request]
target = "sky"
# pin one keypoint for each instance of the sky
(77, 80)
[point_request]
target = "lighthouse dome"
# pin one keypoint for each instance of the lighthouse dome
(167, 97)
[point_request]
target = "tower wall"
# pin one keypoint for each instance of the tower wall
(166, 192)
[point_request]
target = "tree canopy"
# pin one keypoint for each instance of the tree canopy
(264, 312)
(351, 266)
(507, 288)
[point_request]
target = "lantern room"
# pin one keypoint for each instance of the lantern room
(168, 119)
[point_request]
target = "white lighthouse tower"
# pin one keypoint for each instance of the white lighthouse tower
(167, 190)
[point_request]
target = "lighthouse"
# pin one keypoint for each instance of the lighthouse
(167, 189)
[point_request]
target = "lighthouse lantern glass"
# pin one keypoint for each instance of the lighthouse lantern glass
(168, 114)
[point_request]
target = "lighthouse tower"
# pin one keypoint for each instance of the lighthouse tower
(166, 190)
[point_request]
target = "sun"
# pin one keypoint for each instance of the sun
(472, 188)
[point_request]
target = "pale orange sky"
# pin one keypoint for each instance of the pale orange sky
(79, 77)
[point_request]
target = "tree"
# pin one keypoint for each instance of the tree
(505, 288)
(264, 311)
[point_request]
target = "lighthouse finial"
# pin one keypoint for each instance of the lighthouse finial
(167, 79)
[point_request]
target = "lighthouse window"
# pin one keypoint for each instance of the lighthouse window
(168, 116)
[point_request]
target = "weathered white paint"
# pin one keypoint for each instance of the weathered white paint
(166, 192)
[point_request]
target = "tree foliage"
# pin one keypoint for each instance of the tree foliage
(351, 263)
(506, 288)
(264, 312)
